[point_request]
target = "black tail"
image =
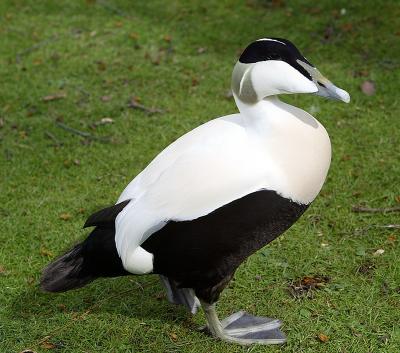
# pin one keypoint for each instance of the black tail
(95, 257)
(66, 272)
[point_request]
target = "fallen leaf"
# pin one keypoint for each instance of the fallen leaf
(167, 38)
(2, 270)
(105, 121)
(391, 239)
(335, 13)
(277, 3)
(1, 122)
(134, 36)
(306, 285)
(62, 307)
(101, 66)
(368, 88)
(361, 73)
(53, 97)
(315, 281)
(201, 50)
(323, 338)
(173, 336)
(93, 33)
(77, 162)
(65, 216)
(378, 252)
(32, 110)
(45, 252)
(30, 280)
(154, 58)
(105, 98)
(314, 10)
(397, 198)
(75, 315)
(347, 27)
(47, 345)
(195, 81)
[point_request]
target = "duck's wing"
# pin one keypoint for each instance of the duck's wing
(205, 169)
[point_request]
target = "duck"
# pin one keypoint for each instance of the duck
(216, 195)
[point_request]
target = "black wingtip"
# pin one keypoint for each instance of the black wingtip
(106, 215)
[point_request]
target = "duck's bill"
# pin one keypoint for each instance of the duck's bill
(329, 90)
(325, 87)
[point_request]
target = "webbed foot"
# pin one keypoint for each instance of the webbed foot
(243, 328)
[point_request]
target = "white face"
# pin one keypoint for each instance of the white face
(274, 77)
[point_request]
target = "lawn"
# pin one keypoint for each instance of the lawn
(71, 140)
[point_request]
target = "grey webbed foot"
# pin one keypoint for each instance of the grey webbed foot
(254, 329)
(243, 328)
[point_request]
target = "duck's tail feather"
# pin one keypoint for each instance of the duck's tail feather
(67, 272)
(95, 257)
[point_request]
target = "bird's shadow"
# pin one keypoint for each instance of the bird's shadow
(140, 297)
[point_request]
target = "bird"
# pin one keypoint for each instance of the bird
(216, 195)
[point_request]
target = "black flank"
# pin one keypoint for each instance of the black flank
(204, 253)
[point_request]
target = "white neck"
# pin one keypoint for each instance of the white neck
(270, 113)
(257, 109)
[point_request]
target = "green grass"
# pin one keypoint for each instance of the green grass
(151, 50)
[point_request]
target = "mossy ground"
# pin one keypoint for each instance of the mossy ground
(178, 56)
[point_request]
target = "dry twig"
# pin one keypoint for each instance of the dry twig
(57, 143)
(34, 47)
(81, 133)
(134, 104)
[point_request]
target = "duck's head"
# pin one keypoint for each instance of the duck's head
(272, 66)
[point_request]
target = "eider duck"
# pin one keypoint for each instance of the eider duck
(216, 195)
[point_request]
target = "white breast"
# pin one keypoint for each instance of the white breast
(298, 146)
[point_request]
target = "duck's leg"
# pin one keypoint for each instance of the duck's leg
(180, 296)
(243, 328)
